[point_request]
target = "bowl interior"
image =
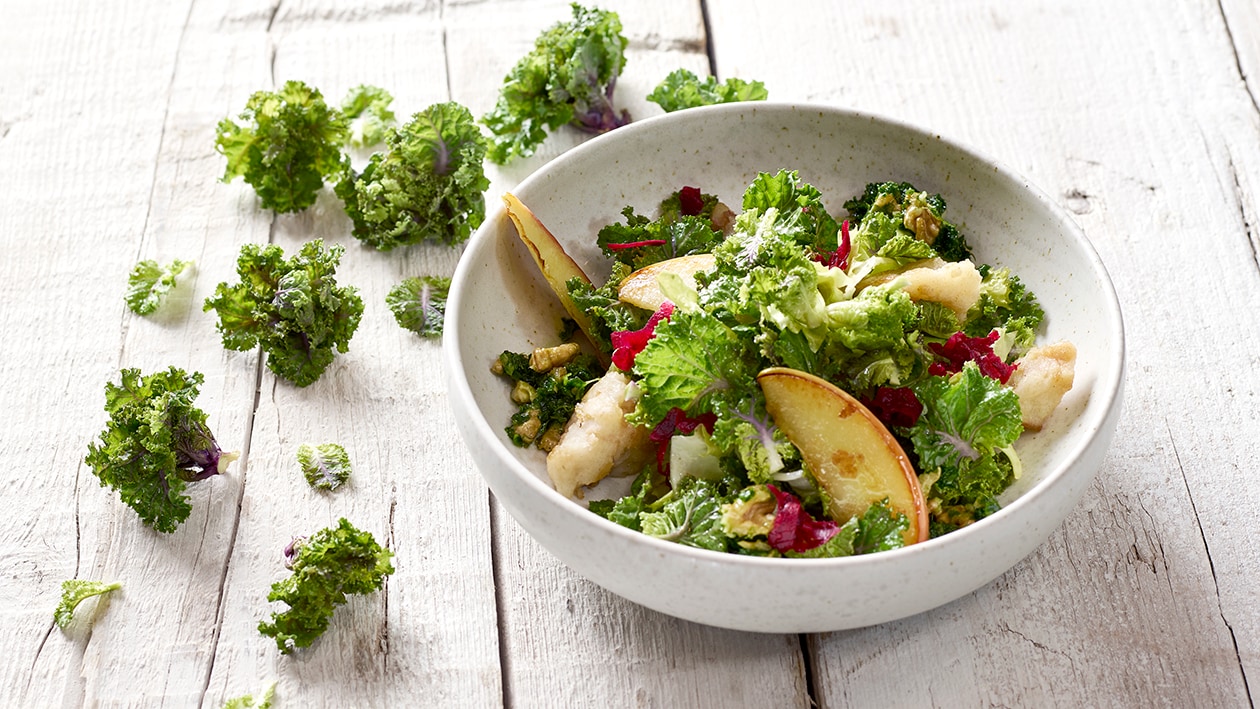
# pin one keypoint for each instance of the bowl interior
(501, 302)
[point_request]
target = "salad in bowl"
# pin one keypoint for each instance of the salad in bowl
(668, 549)
(774, 380)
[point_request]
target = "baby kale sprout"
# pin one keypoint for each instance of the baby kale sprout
(327, 566)
(292, 307)
(429, 185)
(155, 443)
(288, 142)
(568, 77)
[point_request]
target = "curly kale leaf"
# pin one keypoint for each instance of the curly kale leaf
(801, 213)
(325, 466)
(149, 282)
(691, 514)
(647, 488)
(668, 237)
(329, 565)
(430, 184)
(155, 442)
(886, 209)
(607, 313)
(288, 143)
(693, 363)
(366, 108)
(248, 702)
(967, 421)
(1006, 303)
(74, 592)
(292, 307)
(683, 89)
(568, 77)
(419, 304)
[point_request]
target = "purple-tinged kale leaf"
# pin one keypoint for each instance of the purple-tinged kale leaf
(156, 441)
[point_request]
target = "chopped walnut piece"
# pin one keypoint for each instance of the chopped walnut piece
(544, 359)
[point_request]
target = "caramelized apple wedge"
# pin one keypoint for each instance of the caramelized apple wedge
(642, 288)
(849, 451)
(556, 265)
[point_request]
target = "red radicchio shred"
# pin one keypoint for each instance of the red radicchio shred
(840, 257)
(623, 246)
(629, 343)
(676, 421)
(895, 406)
(960, 348)
(689, 201)
(794, 529)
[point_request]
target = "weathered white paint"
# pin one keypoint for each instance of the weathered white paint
(1134, 117)
(1139, 118)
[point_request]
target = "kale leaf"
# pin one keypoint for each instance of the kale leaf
(691, 514)
(366, 108)
(325, 466)
(327, 566)
(293, 308)
(801, 213)
(606, 311)
(149, 282)
(568, 77)
(546, 398)
(74, 592)
(429, 185)
(967, 421)
(1006, 303)
(419, 304)
(885, 209)
(288, 144)
(694, 363)
(683, 89)
(248, 702)
(156, 441)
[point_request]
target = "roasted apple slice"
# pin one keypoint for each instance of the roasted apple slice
(849, 451)
(642, 288)
(556, 265)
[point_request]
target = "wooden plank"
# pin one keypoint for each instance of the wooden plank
(1241, 18)
(433, 632)
(1155, 553)
(566, 642)
(82, 173)
(160, 645)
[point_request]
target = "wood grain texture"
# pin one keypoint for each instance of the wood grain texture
(1140, 118)
(1148, 136)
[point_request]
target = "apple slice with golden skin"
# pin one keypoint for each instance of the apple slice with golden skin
(553, 261)
(642, 288)
(849, 451)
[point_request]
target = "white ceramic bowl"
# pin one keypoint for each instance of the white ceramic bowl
(499, 301)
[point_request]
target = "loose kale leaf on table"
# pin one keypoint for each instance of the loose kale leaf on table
(327, 566)
(149, 282)
(419, 304)
(568, 77)
(156, 441)
(287, 144)
(430, 184)
(292, 307)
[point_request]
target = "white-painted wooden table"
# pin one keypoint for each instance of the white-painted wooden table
(1139, 116)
